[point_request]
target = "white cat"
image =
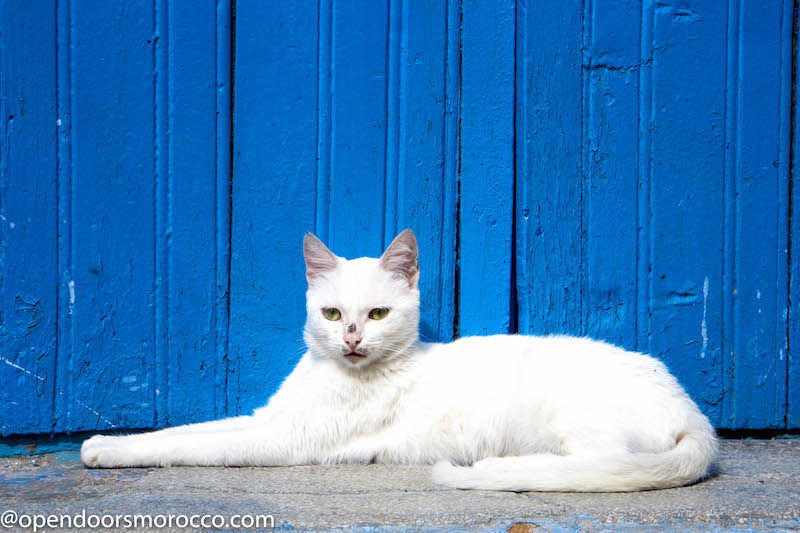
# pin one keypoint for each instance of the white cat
(514, 412)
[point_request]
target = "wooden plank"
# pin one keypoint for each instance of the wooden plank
(190, 235)
(28, 217)
(610, 183)
(113, 212)
(785, 199)
(486, 302)
(644, 278)
(548, 184)
(692, 301)
(686, 151)
(358, 128)
(274, 180)
(425, 178)
(793, 357)
(757, 382)
(452, 166)
(66, 286)
(224, 148)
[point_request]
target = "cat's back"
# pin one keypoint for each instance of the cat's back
(546, 360)
(578, 382)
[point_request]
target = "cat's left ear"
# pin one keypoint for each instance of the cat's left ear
(401, 258)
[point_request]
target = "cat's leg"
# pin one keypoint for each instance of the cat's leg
(225, 424)
(232, 447)
(91, 446)
(297, 426)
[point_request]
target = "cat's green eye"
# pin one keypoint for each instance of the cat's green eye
(331, 313)
(379, 313)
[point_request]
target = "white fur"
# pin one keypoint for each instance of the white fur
(515, 412)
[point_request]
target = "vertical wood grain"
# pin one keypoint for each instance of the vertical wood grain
(224, 150)
(486, 215)
(611, 66)
(162, 159)
(687, 132)
(644, 210)
(192, 227)
(424, 197)
(358, 127)
(548, 185)
(28, 217)
(758, 344)
(793, 315)
(113, 212)
(274, 196)
(756, 239)
(64, 400)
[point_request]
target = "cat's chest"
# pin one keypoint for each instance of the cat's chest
(361, 396)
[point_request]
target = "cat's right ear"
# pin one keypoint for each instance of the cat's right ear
(319, 260)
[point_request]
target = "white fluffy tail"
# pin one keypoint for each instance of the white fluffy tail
(686, 463)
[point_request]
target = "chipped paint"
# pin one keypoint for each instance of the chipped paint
(703, 324)
(60, 393)
(14, 365)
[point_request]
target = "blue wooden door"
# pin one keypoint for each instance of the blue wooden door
(653, 191)
(613, 169)
(114, 196)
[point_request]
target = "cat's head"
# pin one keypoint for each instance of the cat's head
(362, 311)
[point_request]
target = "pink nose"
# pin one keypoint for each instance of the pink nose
(351, 341)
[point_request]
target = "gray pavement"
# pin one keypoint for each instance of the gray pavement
(756, 487)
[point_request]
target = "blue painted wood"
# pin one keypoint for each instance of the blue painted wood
(274, 193)
(611, 69)
(422, 139)
(66, 290)
(556, 153)
(358, 127)
(486, 216)
(224, 149)
(685, 223)
(28, 238)
(758, 344)
(793, 315)
(113, 211)
(192, 388)
(643, 235)
(548, 168)
(132, 194)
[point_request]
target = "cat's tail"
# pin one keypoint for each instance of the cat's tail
(686, 463)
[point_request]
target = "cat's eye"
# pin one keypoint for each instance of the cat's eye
(331, 313)
(379, 313)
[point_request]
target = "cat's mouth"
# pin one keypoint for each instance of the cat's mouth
(354, 356)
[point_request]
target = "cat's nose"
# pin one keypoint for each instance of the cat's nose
(352, 340)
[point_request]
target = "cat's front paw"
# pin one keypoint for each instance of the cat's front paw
(102, 451)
